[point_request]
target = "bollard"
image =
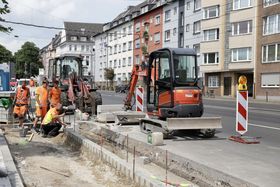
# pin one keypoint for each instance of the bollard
(134, 163)
(266, 94)
(127, 148)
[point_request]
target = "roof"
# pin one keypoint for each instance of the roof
(180, 51)
(82, 29)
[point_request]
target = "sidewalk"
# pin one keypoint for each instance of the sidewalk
(7, 166)
(251, 100)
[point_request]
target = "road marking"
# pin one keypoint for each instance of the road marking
(263, 126)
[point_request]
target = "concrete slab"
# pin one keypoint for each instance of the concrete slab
(13, 175)
(109, 108)
(217, 161)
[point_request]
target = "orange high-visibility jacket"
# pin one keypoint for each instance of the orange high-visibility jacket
(22, 96)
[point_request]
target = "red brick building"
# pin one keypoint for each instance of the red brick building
(147, 31)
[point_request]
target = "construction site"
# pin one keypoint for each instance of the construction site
(157, 135)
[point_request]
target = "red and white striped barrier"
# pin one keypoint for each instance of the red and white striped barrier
(242, 112)
(140, 99)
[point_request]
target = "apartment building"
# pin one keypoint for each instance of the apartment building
(120, 45)
(147, 30)
(268, 50)
(78, 39)
(100, 53)
(228, 45)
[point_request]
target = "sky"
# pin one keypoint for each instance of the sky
(53, 13)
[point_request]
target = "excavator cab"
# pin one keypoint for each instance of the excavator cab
(172, 89)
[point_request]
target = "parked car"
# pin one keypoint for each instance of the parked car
(123, 88)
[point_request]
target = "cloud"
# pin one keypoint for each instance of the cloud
(53, 13)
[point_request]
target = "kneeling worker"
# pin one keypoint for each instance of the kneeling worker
(52, 122)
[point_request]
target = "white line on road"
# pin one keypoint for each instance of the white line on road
(263, 126)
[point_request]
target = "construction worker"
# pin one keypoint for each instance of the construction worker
(52, 123)
(21, 102)
(41, 102)
(54, 94)
(32, 82)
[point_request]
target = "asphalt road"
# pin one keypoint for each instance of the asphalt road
(264, 119)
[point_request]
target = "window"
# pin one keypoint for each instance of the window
(211, 58)
(157, 20)
(144, 9)
(110, 51)
(197, 48)
(129, 61)
(75, 47)
(124, 62)
(211, 12)
(239, 28)
(73, 38)
(137, 59)
(167, 35)
(87, 48)
(115, 49)
(157, 37)
(124, 47)
(187, 27)
(196, 27)
(82, 47)
(83, 39)
(137, 43)
(130, 29)
(188, 5)
(167, 15)
(137, 27)
(271, 53)
(212, 34)
(270, 2)
(213, 81)
(181, 40)
(115, 35)
(120, 63)
(174, 31)
(124, 32)
(129, 45)
(182, 19)
(110, 63)
(115, 63)
(120, 34)
(120, 48)
(197, 5)
(70, 47)
(270, 80)
(272, 24)
(241, 54)
(175, 10)
(239, 4)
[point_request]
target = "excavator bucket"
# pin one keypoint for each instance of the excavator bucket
(194, 123)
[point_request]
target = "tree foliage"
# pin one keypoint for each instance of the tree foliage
(27, 60)
(109, 74)
(5, 55)
(4, 9)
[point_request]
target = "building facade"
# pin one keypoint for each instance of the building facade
(268, 50)
(147, 31)
(229, 44)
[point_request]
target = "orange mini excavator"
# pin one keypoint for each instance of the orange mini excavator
(173, 97)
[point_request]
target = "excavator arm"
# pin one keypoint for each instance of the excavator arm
(132, 85)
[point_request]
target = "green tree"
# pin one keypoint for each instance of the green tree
(27, 60)
(4, 9)
(5, 55)
(109, 75)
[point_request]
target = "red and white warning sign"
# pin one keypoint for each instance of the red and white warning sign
(140, 99)
(242, 112)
